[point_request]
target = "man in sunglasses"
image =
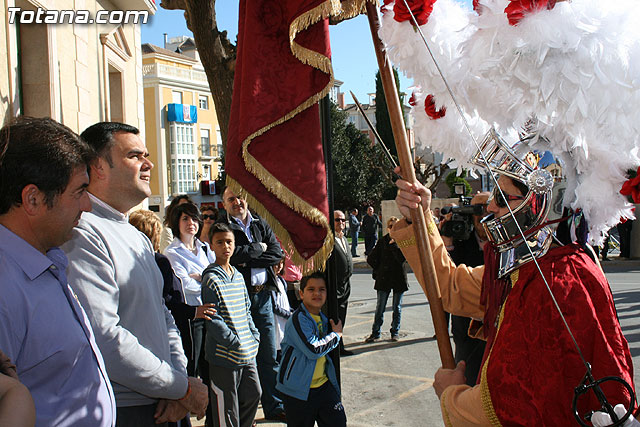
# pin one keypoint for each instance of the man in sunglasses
(530, 366)
(344, 270)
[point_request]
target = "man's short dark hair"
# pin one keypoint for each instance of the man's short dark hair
(188, 209)
(100, 137)
(315, 275)
(219, 227)
(38, 151)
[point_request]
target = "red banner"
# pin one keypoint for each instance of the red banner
(274, 155)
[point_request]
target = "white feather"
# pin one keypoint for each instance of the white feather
(575, 67)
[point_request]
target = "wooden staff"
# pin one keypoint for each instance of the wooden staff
(417, 215)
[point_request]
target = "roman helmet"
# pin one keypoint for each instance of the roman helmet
(522, 234)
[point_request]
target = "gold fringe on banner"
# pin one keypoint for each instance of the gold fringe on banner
(270, 182)
(317, 261)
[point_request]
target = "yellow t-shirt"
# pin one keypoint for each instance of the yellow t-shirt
(319, 376)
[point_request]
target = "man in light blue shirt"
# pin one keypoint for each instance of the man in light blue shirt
(43, 328)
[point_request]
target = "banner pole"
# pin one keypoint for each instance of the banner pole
(417, 215)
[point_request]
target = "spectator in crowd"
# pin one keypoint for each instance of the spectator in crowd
(310, 388)
(232, 339)
(16, 403)
(470, 253)
(344, 270)
(624, 231)
(117, 280)
(172, 291)
(280, 300)
(605, 247)
(209, 217)
(189, 257)
(167, 235)
(354, 230)
(371, 225)
(43, 328)
(389, 274)
(256, 252)
(437, 216)
(292, 275)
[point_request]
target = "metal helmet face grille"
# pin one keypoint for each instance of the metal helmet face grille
(533, 209)
(500, 158)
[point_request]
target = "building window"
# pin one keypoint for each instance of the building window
(205, 144)
(183, 158)
(219, 152)
(203, 101)
(176, 95)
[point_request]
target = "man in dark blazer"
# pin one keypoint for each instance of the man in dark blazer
(344, 270)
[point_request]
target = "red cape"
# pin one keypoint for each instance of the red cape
(533, 379)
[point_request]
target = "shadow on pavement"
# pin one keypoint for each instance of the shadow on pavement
(361, 347)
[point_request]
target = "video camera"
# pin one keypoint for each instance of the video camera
(460, 226)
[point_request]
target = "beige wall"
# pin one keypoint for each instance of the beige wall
(66, 71)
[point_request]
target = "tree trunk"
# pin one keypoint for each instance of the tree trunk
(217, 54)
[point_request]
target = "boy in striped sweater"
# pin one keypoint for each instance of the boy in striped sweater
(232, 340)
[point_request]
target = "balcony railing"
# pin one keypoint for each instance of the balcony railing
(168, 71)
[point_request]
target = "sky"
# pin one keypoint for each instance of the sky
(353, 57)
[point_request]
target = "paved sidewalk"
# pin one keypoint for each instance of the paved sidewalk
(390, 383)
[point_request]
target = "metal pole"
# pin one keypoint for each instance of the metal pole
(332, 279)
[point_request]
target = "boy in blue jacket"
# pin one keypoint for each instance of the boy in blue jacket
(307, 377)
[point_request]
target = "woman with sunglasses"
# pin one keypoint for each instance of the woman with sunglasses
(209, 216)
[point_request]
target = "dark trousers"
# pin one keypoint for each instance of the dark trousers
(370, 241)
(262, 315)
(200, 364)
(342, 315)
(137, 416)
(624, 230)
(234, 395)
(322, 406)
(468, 349)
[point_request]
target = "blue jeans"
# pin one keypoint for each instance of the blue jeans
(354, 243)
(378, 319)
(262, 316)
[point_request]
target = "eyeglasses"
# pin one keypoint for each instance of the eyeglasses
(205, 216)
(500, 199)
(340, 220)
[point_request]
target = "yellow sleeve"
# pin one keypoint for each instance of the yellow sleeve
(461, 405)
(459, 285)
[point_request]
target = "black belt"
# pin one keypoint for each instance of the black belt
(255, 289)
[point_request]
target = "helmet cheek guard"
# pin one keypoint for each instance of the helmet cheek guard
(529, 216)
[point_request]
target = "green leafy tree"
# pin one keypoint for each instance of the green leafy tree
(383, 122)
(453, 179)
(361, 176)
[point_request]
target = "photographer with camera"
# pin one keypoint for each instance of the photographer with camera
(466, 237)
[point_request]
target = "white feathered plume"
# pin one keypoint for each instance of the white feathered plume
(576, 68)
